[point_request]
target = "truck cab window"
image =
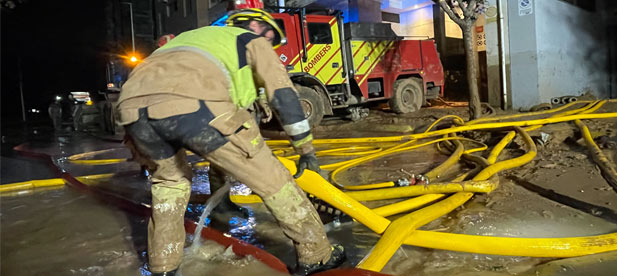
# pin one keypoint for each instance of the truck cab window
(281, 25)
(319, 33)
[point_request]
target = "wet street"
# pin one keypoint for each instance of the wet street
(65, 231)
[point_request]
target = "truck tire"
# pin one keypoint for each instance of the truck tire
(312, 104)
(408, 95)
(109, 119)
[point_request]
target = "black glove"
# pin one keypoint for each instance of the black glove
(307, 161)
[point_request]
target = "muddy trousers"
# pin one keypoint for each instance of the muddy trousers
(246, 159)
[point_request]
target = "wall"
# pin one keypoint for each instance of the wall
(175, 17)
(523, 56)
(493, 61)
(572, 51)
(418, 23)
(364, 11)
(609, 9)
(452, 29)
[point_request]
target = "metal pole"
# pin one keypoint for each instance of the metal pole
(21, 89)
(502, 53)
(132, 27)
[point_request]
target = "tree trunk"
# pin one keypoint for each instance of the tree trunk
(475, 110)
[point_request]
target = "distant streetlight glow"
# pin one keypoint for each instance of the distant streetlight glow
(133, 59)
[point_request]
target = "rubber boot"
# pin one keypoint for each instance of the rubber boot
(171, 189)
(300, 222)
(337, 257)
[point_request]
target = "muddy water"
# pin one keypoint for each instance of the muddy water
(511, 212)
(63, 232)
(67, 233)
(212, 259)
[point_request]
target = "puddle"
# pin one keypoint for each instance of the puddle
(212, 259)
(67, 233)
(63, 232)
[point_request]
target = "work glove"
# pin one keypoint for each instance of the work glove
(307, 161)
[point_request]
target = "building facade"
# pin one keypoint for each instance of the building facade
(529, 50)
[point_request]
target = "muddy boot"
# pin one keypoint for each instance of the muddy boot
(337, 257)
(300, 222)
(171, 189)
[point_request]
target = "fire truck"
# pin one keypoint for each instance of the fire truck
(343, 66)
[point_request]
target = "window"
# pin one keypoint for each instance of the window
(319, 33)
(390, 17)
(281, 25)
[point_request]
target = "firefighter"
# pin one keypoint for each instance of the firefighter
(55, 113)
(195, 93)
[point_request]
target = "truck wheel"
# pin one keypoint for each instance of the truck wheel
(408, 95)
(312, 104)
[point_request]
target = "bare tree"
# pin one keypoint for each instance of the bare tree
(11, 4)
(465, 13)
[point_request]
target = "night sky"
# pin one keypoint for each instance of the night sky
(61, 45)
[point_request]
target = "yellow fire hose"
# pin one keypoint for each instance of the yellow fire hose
(608, 171)
(442, 132)
(398, 230)
(558, 244)
(431, 175)
(26, 185)
(77, 158)
(314, 184)
(31, 184)
(416, 202)
(403, 230)
(492, 157)
(370, 186)
(529, 114)
(526, 114)
(530, 247)
(396, 233)
(437, 172)
(392, 238)
(406, 205)
(387, 152)
(473, 186)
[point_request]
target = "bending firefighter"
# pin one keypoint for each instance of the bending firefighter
(194, 92)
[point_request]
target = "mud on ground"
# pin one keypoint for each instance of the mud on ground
(559, 194)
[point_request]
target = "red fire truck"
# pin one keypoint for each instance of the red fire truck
(338, 65)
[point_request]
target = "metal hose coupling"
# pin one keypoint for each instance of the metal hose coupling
(564, 100)
(402, 182)
(556, 100)
(415, 179)
(569, 99)
(323, 207)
